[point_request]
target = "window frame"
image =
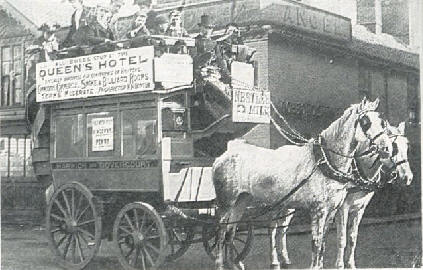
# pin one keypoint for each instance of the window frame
(8, 97)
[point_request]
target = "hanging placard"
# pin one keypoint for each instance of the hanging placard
(102, 134)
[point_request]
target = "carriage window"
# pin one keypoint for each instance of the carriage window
(69, 136)
(102, 128)
(139, 133)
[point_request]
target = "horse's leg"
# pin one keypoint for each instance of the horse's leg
(274, 261)
(318, 220)
(235, 217)
(221, 233)
(353, 224)
(281, 236)
(341, 219)
(328, 221)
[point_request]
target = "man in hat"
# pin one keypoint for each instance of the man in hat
(158, 23)
(97, 33)
(79, 18)
(175, 28)
(139, 34)
(204, 42)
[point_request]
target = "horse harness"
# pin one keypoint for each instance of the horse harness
(355, 176)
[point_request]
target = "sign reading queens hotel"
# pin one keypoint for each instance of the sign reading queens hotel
(118, 72)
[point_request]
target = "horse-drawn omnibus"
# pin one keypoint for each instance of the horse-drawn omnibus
(115, 132)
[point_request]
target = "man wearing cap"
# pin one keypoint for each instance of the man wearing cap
(97, 33)
(139, 34)
(47, 42)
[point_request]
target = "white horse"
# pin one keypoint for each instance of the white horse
(246, 175)
(349, 216)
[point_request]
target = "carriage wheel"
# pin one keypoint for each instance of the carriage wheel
(180, 239)
(140, 236)
(73, 225)
(238, 249)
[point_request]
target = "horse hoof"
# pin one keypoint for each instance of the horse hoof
(275, 266)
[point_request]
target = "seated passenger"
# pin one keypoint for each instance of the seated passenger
(139, 29)
(79, 18)
(157, 23)
(97, 33)
(123, 18)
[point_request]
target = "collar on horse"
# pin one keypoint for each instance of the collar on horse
(355, 176)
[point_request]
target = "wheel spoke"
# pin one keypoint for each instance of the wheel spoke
(61, 240)
(80, 253)
(142, 221)
(137, 253)
(59, 205)
(129, 253)
(157, 236)
(65, 198)
(143, 261)
(86, 222)
(125, 230)
(86, 233)
(137, 225)
(73, 249)
(82, 213)
(57, 217)
(150, 260)
(148, 229)
(81, 197)
(56, 230)
(73, 203)
(155, 249)
(129, 222)
(65, 251)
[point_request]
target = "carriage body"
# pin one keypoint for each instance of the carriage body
(119, 152)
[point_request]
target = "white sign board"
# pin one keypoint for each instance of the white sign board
(124, 71)
(242, 75)
(173, 68)
(102, 134)
(251, 106)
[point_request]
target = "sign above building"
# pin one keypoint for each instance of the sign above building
(309, 19)
(119, 72)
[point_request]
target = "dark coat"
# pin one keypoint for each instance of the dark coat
(141, 37)
(94, 35)
(83, 21)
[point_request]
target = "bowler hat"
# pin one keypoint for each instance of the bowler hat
(205, 21)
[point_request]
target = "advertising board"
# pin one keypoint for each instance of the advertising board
(118, 72)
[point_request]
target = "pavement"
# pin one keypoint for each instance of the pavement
(388, 242)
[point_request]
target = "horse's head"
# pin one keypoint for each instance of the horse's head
(371, 128)
(397, 163)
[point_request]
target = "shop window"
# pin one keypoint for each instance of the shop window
(139, 133)
(69, 136)
(102, 128)
(15, 156)
(11, 76)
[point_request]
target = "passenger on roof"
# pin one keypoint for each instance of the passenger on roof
(47, 43)
(79, 19)
(97, 33)
(175, 28)
(139, 34)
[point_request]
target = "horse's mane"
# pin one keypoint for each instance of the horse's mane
(338, 126)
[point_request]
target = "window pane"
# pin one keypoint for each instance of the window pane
(17, 52)
(69, 136)
(6, 54)
(18, 96)
(28, 157)
(7, 67)
(16, 156)
(139, 133)
(4, 146)
(102, 134)
(17, 67)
